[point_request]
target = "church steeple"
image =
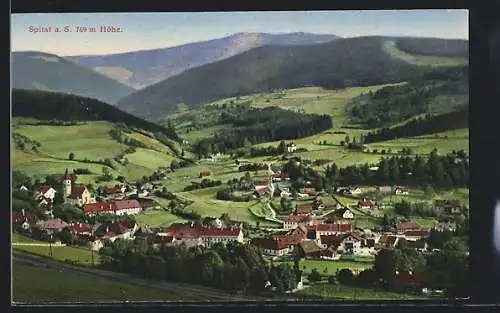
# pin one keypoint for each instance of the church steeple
(67, 183)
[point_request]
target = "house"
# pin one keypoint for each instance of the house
(343, 214)
(308, 191)
(261, 191)
(280, 176)
(401, 191)
(96, 244)
(304, 208)
(330, 253)
(384, 189)
(366, 204)
(147, 187)
(79, 195)
(348, 243)
(284, 194)
(205, 173)
(52, 225)
(419, 245)
(23, 219)
(318, 205)
(127, 207)
(117, 191)
(318, 230)
(77, 229)
(292, 221)
(297, 235)
(387, 241)
(120, 229)
(23, 188)
(447, 207)
(353, 190)
(147, 204)
(45, 193)
(276, 246)
(401, 228)
(309, 249)
(291, 147)
(414, 235)
(157, 241)
(446, 226)
(206, 236)
(99, 208)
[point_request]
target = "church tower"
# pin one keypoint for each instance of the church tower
(67, 184)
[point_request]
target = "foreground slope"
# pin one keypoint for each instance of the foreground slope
(361, 61)
(43, 71)
(142, 68)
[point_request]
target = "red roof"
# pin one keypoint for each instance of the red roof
(417, 233)
(304, 208)
(127, 204)
(343, 228)
(110, 234)
(277, 243)
(98, 207)
(407, 226)
(406, 278)
(79, 228)
(127, 224)
(365, 202)
(67, 176)
(262, 191)
(76, 192)
(387, 239)
(298, 218)
(44, 189)
(163, 239)
(19, 217)
(112, 190)
(185, 231)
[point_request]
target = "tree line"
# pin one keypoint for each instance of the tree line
(235, 268)
(429, 124)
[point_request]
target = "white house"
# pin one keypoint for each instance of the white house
(272, 246)
(344, 213)
(45, 192)
(127, 207)
(401, 191)
(23, 188)
(349, 243)
(212, 235)
(291, 147)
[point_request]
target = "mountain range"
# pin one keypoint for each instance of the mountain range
(142, 68)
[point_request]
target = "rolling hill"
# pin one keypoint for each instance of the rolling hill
(142, 68)
(49, 72)
(54, 131)
(338, 64)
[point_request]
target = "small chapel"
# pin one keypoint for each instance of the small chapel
(74, 193)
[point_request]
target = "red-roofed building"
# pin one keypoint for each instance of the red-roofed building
(23, 219)
(99, 208)
(349, 243)
(261, 190)
(413, 235)
(127, 207)
(273, 246)
(314, 232)
(304, 208)
(206, 235)
(46, 193)
(117, 191)
(79, 229)
(401, 228)
(79, 196)
(447, 207)
(308, 191)
(366, 204)
(387, 241)
(292, 221)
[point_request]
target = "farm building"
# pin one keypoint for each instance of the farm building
(292, 221)
(384, 189)
(401, 191)
(401, 228)
(304, 208)
(366, 204)
(447, 207)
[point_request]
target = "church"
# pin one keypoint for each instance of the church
(75, 194)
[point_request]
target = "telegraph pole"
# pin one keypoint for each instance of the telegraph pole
(50, 245)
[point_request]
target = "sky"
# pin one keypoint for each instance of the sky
(144, 31)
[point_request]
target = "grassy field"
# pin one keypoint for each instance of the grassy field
(391, 49)
(157, 218)
(445, 142)
(61, 286)
(150, 158)
(327, 291)
(332, 266)
(61, 253)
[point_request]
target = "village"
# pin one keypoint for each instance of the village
(314, 230)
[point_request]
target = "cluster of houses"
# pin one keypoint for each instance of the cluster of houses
(330, 241)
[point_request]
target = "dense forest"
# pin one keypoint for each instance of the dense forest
(65, 107)
(434, 47)
(236, 268)
(262, 125)
(428, 124)
(440, 90)
(334, 65)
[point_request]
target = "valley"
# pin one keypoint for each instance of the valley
(293, 170)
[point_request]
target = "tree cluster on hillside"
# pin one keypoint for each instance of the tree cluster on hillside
(262, 125)
(24, 143)
(443, 171)
(205, 183)
(434, 47)
(429, 124)
(65, 107)
(236, 268)
(252, 167)
(117, 133)
(226, 194)
(394, 104)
